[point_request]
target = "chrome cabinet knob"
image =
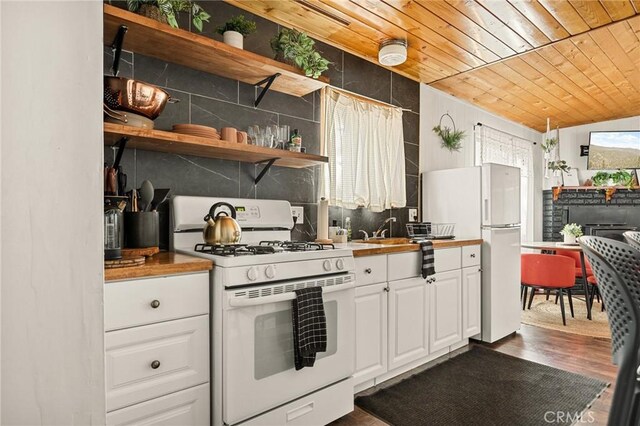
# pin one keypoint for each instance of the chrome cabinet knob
(270, 271)
(367, 271)
(387, 289)
(155, 364)
(155, 304)
(473, 255)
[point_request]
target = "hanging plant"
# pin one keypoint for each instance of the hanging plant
(559, 166)
(549, 145)
(451, 138)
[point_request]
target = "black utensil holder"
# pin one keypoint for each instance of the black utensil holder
(141, 229)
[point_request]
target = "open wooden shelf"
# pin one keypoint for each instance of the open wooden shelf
(176, 143)
(609, 191)
(152, 38)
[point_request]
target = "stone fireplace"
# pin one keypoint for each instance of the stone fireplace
(589, 208)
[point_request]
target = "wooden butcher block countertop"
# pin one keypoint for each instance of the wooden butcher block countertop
(164, 263)
(362, 248)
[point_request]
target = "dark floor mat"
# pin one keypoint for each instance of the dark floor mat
(485, 387)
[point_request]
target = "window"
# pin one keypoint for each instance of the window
(494, 146)
(365, 145)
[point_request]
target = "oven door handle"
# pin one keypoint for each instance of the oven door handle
(243, 302)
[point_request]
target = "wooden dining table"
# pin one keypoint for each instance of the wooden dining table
(552, 246)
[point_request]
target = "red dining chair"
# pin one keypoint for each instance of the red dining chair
(548, 272)
(594, 291)
(575, 255)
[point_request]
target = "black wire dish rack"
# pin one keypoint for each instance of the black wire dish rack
(431, 231)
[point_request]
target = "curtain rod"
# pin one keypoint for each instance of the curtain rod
(507, 133)
(358, 95)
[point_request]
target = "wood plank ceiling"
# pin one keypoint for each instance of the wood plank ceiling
(573, 61)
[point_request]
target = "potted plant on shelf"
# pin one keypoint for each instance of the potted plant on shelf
(297, 48)
(165, 11)
(622, 178)
(571, 231)
(602, 179)
(235, 30)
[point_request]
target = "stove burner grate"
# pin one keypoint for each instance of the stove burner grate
(222, 249)
(297, 245)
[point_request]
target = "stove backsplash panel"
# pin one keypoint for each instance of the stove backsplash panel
(219, 102)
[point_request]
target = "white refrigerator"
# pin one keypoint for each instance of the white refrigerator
(484, 202)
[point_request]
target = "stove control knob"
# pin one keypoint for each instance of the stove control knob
(252, 274)
(340, 264)
(270, 271)
(326, 265)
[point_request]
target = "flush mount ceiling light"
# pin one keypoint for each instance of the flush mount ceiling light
(392, 52)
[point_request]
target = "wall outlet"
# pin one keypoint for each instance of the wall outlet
(413, 215)
(298, 212)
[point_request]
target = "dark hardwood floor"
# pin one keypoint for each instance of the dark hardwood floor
(584, 355)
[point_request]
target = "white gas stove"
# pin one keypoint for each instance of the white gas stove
(252, 286)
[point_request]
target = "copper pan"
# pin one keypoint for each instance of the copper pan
(136, 96)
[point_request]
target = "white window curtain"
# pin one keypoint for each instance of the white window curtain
(495, 146)
(365, 145)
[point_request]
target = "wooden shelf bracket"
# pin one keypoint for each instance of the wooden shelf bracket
(266, 168)
(269, 81)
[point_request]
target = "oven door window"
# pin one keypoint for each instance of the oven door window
(274, 340)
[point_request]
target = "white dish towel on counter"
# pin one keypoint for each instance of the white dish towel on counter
(365, 144)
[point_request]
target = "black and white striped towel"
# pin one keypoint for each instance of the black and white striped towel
(309, 326)
(428, 263)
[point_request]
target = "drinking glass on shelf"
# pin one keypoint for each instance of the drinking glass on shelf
(284, 135)
(253, 132)
(272, 141)
(267, 137)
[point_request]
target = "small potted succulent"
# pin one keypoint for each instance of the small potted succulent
(235, 30)
(297, 48)
(571, 231)
(165, 11)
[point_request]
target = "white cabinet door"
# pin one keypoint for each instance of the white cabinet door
(185, 408)
(471, 303)
(408, 321)
(371, 332)
(446, 309)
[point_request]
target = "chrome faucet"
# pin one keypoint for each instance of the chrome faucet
(365, 236)
(377, 233)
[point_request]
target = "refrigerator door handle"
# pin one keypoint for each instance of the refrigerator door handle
(486, 209)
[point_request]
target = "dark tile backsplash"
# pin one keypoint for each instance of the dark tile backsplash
(220, 102)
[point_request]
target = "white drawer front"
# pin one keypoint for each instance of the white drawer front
(371, 269)
(447, 259)
(181, 348)
(404, 265)
(131, 303)
(185, 408)
(470, 256)
(318, 408)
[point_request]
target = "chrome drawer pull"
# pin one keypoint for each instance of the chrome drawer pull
(473, 255)
(367, 271)
(155, 364)
(155, 304)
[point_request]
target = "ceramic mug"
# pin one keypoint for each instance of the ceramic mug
(229, 134)
(242, 137)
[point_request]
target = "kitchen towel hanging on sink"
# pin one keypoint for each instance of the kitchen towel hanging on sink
(309, 326)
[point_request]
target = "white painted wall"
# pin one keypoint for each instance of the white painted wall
(51, 207)
(434, 103)
(572, 137)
